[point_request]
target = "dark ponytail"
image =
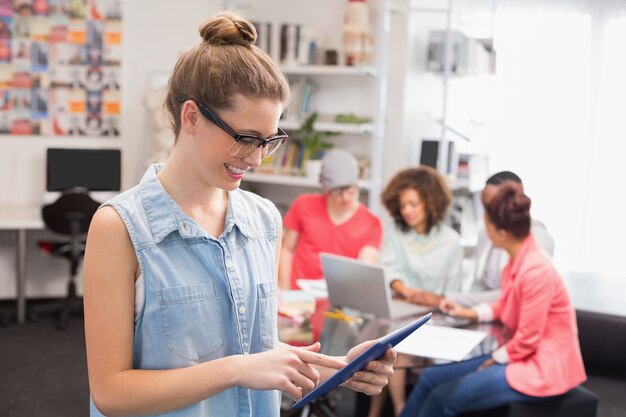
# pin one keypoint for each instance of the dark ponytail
(509, 210)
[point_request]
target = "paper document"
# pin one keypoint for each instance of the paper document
(295, 296)
(295, 303)
(316, 287)
(438, 342)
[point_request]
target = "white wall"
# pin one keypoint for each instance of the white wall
(154, 32)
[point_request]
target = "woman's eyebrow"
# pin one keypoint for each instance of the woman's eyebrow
(257, 133)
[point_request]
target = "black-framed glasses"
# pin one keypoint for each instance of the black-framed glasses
(350, 190)
(245, 143)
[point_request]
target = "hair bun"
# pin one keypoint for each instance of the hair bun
(228, 29)
(510, 209)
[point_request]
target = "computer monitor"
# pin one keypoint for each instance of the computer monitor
(430, 153)
(93, 169)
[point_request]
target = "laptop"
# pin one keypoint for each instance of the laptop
(362, 286)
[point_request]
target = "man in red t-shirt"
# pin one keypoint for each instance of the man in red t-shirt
(333, 222)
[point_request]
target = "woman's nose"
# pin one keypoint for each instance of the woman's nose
(255, 158)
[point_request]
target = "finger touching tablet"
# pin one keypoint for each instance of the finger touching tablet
(375, 351)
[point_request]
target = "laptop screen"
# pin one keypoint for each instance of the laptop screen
(362, 286)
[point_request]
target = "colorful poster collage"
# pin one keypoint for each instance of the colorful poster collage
(60, 67)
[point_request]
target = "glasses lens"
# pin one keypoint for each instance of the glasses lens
(349, 190)
(248, 144)
(244, 146)
(273, 145)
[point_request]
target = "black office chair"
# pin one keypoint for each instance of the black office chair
(69, 215)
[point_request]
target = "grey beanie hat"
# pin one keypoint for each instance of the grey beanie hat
(339, 169)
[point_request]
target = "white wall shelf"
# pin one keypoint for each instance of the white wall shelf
(291, 180)
(354, 128)
(332, 70)
(329, 90)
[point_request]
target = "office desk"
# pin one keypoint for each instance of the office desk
(20, 219)
(338, 336)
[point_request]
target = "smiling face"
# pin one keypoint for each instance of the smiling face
(210, 146)
(412, 210)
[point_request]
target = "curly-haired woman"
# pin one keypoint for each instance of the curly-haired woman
(421, 254)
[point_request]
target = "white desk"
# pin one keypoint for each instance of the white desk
(21, 219)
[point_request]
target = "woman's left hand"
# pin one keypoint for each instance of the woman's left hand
(486, 364)
(375, 376)
(414, 295)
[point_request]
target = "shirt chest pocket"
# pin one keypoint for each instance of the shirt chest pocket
(193, 321)
(267, 314)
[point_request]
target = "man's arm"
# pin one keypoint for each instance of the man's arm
(369, 254)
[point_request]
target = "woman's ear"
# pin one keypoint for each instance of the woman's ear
(502, 234)
(189, 115)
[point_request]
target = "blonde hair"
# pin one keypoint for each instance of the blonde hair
(224, 64)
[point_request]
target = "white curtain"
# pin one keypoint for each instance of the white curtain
(559, 112)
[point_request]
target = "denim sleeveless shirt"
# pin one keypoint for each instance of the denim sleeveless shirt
(204, 298)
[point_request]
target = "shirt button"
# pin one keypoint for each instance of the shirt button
(185, 227)
(229, 264)
(242, 310)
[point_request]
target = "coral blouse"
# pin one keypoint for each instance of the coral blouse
(544, 354)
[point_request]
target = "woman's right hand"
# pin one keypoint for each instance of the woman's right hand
(287, 368)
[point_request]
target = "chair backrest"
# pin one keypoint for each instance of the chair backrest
(70, 214)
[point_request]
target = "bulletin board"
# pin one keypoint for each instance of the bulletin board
(60, 67)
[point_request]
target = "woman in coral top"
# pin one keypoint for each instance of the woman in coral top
(542, 359)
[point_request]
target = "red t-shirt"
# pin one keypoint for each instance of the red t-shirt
(309, 217)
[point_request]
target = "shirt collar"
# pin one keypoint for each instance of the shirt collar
(236, 213)
(424, 237)
(164, 215)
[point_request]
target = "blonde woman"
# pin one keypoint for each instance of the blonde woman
(180, 271)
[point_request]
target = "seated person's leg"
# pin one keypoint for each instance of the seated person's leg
(397, 390)
(474, 391)
(433, 377)
(377, 403)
